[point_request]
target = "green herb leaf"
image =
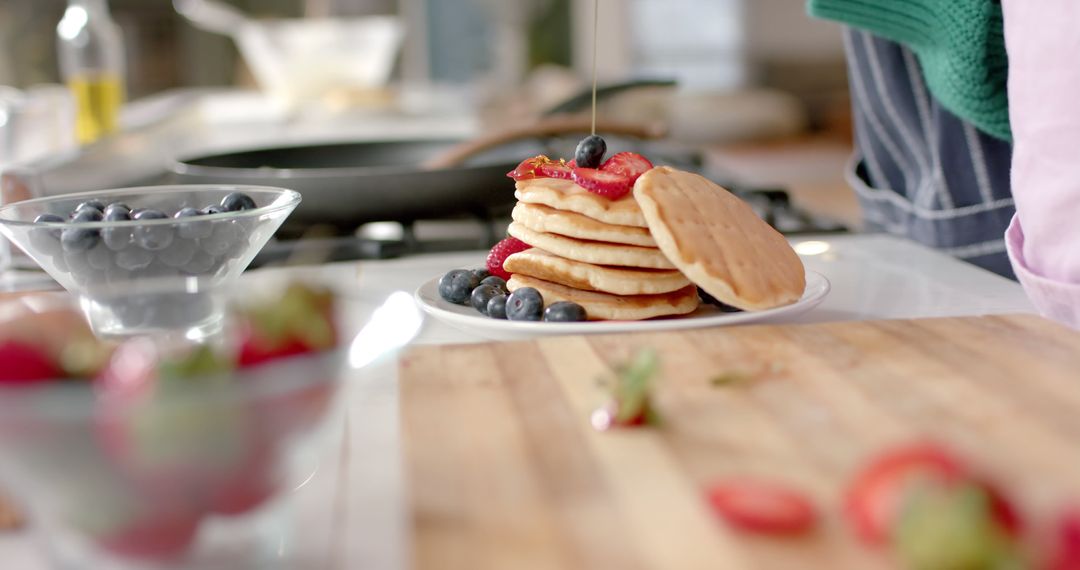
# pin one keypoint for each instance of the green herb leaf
(633, 384)
(729, 378)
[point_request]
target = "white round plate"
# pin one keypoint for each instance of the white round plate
(467, 319)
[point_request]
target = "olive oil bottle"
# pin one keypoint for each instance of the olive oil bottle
(91, 52)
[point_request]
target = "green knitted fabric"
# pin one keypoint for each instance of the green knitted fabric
(960, 45)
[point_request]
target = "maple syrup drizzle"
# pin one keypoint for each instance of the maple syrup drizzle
(596, 26)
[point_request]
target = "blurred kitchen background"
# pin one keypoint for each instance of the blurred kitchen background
(751, 92)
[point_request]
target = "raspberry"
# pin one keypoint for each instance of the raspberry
(500, 252)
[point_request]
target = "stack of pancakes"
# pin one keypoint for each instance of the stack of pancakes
(640, 257)
(596, 252)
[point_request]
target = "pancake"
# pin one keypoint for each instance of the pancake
(567, 196)
(595, 252)
(579, 275)
(602, 306)
(540, 218)
(718, 242)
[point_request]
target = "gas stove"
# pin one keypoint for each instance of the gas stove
(385, 240)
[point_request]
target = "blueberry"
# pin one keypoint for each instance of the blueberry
(195, 229)
(59, 262)
(590, 151)
(525, 304)
(214, 209)
(200, 264)
(46, 240)
(498, 282)
(457, 285)
(496, 307)
(116, 238)
(710, 300)
(179, 253)
(133, 258)
(117, 212)
(81, 239)
(78, 263)
(564, 312)
(236, 201)
(152, 237)
(115, 274)
(99, 258)
(49, 219)
(481, 295)
(92, 205)
(223, 236)
(481, 274)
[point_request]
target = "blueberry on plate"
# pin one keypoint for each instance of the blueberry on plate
(237, 201)
(81, 239)
(457, 285)
(497, 281)
(525, 304)
(91, 205)
(496, 307)
(195, 229)
(481, 295)
(481, 273)
(212, 209)
(708, 299)
(564, 312)
(153, 236)
(590, 152)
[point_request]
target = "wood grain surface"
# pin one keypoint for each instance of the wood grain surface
(505, 470)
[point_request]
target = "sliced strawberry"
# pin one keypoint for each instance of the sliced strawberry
(255, 351)
(156, 536)
(500, 252)
(764, 508)
(249, 485)
(1065, 550)
(610, 185)
(541, 167)
(25, 365)
(875, 497)
(628, 164)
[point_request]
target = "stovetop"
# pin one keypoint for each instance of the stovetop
(385, 240)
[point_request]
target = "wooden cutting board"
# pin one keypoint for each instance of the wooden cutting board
(505, 471)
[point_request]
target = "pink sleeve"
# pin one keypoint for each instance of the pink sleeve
(1043, 41)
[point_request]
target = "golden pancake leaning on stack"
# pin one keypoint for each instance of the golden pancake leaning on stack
(629, 241)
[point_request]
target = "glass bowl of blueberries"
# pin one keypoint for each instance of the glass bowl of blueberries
(138, 258)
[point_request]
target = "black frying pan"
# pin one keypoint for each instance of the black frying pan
(344, 185)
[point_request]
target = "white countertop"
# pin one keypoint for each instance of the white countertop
(352, 514)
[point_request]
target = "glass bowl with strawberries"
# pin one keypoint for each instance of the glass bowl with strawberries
(125, 251)
(158, 452)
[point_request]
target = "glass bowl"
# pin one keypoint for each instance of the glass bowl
(145, 259)
(164, 473)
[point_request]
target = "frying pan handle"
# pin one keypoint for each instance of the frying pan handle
(550, 127)
(582, 101)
